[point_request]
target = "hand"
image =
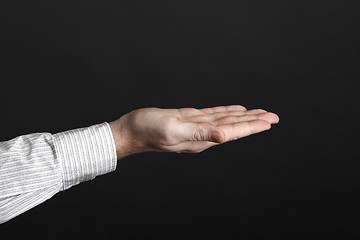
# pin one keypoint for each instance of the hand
(186, 129)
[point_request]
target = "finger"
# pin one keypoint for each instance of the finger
(223, 109)
(242, 129)
(268, 116)
(190, 131)
(198, 118)
(219, 115)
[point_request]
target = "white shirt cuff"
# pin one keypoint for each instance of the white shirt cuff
(85, 153)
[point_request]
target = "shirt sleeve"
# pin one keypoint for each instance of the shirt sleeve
(35, 167)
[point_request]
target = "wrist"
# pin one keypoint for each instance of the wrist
(124, 142)
(120, 139)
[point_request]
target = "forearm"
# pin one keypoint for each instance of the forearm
(36, 166)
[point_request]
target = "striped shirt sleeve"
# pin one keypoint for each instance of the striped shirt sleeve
(35, 167)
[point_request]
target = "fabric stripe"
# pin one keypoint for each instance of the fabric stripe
(36, 166)
(23, 170)
(85, 153)
(21, 203)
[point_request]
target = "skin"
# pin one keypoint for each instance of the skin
(186, 130)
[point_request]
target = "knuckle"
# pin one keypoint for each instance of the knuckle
(199, 134)
(196, 136)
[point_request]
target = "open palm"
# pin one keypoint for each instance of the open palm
(190, 129)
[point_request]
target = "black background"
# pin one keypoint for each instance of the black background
(69, 64)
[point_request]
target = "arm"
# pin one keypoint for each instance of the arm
(35, 167)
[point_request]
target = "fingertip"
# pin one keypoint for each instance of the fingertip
(260, 125)
(273, 117)
(241, 107)
(216, 137)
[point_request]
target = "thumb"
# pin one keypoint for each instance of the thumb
(203, 132)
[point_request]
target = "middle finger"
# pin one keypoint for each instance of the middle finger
(219, 115)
